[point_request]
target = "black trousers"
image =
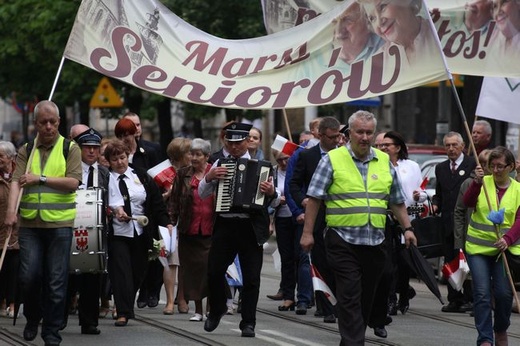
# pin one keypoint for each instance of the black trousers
(357, 269)
(127, 262)
(319, 261)
(88, 287)
(285, 240)
(231, 237)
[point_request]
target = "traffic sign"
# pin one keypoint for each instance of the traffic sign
(105, 96)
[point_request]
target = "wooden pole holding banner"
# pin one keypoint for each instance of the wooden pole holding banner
(10, 231)
(56, 78)
(472, 147)
(287, 124)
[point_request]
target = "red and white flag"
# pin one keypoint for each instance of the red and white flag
(456, 271)
(320, 285)
(283, 145)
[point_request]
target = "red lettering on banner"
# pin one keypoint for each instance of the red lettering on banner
(305, 14)
(227, 94)
(462, 44)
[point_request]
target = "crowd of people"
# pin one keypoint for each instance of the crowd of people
(339, 205)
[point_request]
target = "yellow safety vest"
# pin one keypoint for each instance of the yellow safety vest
(52, 204)
(481, 232)
(349, 203)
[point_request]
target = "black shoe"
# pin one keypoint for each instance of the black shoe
(380, 331)
(30, 331)
(121, 322)
(153, 302)
(277, 296)
(329, 319)
(141, 304)
(411, 293)
(472, 313)
(248, 331)
(403, 305)
(452, 307)
(212, 322)
(466, 307)
(301, 309)
(318, 313)
(91, 330)
(392, 308)
(388, 320)
(63, 325)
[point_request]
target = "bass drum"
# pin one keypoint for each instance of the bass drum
(88, 250)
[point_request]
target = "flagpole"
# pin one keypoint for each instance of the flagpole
(57, 77)
(287, 124)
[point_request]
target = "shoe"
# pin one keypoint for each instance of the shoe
(63, 325)
(329, 319)
(388, 320)
(472, 313)
(167, 311)
(318, 313)
(103, 312)
(277, 296)
(466, 307)
(403, 306)
(196, 318)
(212, 322)
(301, 309)
(230, 310)
(183, 308)
(90, 330)
(152, 302)
(380, 331)
(289, 307)
(121, 322)
(248, 331)
(141, 304)
(392, 308)
(411, 293)
(451, 307)
(30, 331)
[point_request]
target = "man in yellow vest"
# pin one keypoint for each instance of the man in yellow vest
(357, 183)
(47, 182)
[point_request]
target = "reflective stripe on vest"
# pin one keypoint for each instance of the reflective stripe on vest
(349, 203)
(52, 204)
(481, 234)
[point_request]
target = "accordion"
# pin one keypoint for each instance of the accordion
(241, 188)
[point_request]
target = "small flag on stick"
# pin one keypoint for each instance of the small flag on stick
(320, 285)
(283, 145)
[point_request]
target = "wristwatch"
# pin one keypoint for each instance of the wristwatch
(409, 229)
(43, 179)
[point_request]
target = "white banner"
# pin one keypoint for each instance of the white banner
(478, 37)
(146, 45)
(500, 99)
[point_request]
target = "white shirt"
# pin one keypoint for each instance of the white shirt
(85, 172)
(410, 177)
(137, 199)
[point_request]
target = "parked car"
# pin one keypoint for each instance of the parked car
(421, 153)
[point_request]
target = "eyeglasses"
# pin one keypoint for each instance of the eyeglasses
(383, 145)
(333, 137)
(498, 168)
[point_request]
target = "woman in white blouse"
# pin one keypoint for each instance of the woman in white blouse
(129, 241)
(409, 174)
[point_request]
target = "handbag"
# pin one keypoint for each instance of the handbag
(456, 271)
(429, 232)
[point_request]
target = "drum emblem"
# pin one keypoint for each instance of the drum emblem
(81, 237)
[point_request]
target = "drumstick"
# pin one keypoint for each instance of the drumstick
(27, 168)
(141, 220)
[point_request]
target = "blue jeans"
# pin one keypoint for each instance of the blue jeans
(44, 266)
(304, 291)
(489, 278)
